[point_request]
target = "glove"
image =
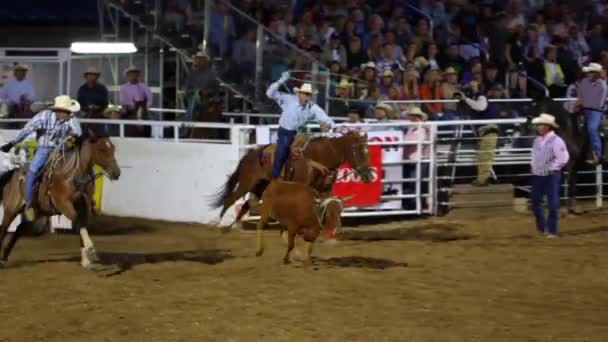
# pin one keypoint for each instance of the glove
(7, 147)
(284, 77)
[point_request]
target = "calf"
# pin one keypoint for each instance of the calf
(298, 208)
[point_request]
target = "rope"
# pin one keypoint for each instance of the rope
(58, 156)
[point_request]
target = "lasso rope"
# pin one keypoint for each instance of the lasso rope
(58, 156)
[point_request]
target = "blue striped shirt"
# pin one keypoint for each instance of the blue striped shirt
(549, 154)
(53, 130)
(294, 115)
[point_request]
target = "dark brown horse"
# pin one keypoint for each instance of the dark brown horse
(66, 187)
(252, 174)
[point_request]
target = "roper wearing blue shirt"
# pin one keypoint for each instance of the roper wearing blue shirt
(296, 110)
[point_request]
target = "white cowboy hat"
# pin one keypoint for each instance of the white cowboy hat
(132, 68)
(305, 88)
(113, 108)
(593, 67)
(20, 66)
(92, 71)
(545, 119)
(450, 71)
(418, 112)
(66, 103)
(370, 65)
(387, 73)
(384, 106)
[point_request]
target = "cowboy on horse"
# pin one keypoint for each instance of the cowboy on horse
(53, 127)
(296, 111)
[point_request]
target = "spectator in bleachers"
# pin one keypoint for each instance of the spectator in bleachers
(343, 91)
(374, 49)
(535, 39)
(430, 89)
(449, 88)
(221, 29)
(572, 92)
(373, 96)
(355, 55)
(18, 93)
(554, 76)
(387, 81)
(409, 89)
(403, 31)
(567, 60)
(335, 51)
(498, 38)
(383, 112)
(354, 115)
(453, 59)
(422, 36)
(177, 13)
(369, 77)
(431, 56)
(490, 76)
(577, 44)
(243, 57)
(374, 31)
(135, 96)
(597, 40)
(92, 95)
(391, 38)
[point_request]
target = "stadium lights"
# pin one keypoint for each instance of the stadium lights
(103, 47)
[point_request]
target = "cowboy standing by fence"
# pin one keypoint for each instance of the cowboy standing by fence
(592, 93)
(296, 110)
(549, 156)
(56, 124)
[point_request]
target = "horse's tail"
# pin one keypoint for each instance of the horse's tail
(4, 179)
(233, 180)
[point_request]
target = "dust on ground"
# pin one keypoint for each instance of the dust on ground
(473, 276)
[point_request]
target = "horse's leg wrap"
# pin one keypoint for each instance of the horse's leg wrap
(88, 252)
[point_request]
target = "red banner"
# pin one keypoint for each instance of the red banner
(348, 182)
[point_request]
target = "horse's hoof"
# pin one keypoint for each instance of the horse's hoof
(226, 229)
(259, 253)
(90, 254)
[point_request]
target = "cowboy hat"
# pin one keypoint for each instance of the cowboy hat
(92, 71)
(132, 68)
(344, 83)
(450, 71)
(369, 64)
(545, 119)
(593, 67)
(20, 66)
(112, 109)
(387, 73)
(65, 103)
(384, 106)
(417, 112)
(305, 88)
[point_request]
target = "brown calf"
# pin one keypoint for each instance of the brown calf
(298, 208)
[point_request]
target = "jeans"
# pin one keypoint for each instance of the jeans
(40, 157)
(546, 186)
(593, 119)
(284, 140)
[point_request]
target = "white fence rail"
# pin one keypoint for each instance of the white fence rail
(453, 146)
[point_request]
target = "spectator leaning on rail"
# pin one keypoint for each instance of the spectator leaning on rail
(549, 156)
(296, 110)
(135, 95)
(475, 106)
(55, 124)
(415, 134)
(592, 92)
(92, 95)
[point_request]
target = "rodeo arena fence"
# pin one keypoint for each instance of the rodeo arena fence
(173, 178)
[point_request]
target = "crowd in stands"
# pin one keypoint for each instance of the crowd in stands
(425, 49)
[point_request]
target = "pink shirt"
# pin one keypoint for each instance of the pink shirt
(416, 134)
(549, 154)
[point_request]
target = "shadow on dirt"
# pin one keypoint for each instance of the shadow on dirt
(359, 262)
(431, 232)
(122, 262)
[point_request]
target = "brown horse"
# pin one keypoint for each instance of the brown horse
(66, 187)
(252, 175)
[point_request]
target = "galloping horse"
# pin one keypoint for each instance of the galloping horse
(253, 176)
(66, 187)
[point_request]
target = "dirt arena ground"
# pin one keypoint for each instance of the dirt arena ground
(467, 277)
